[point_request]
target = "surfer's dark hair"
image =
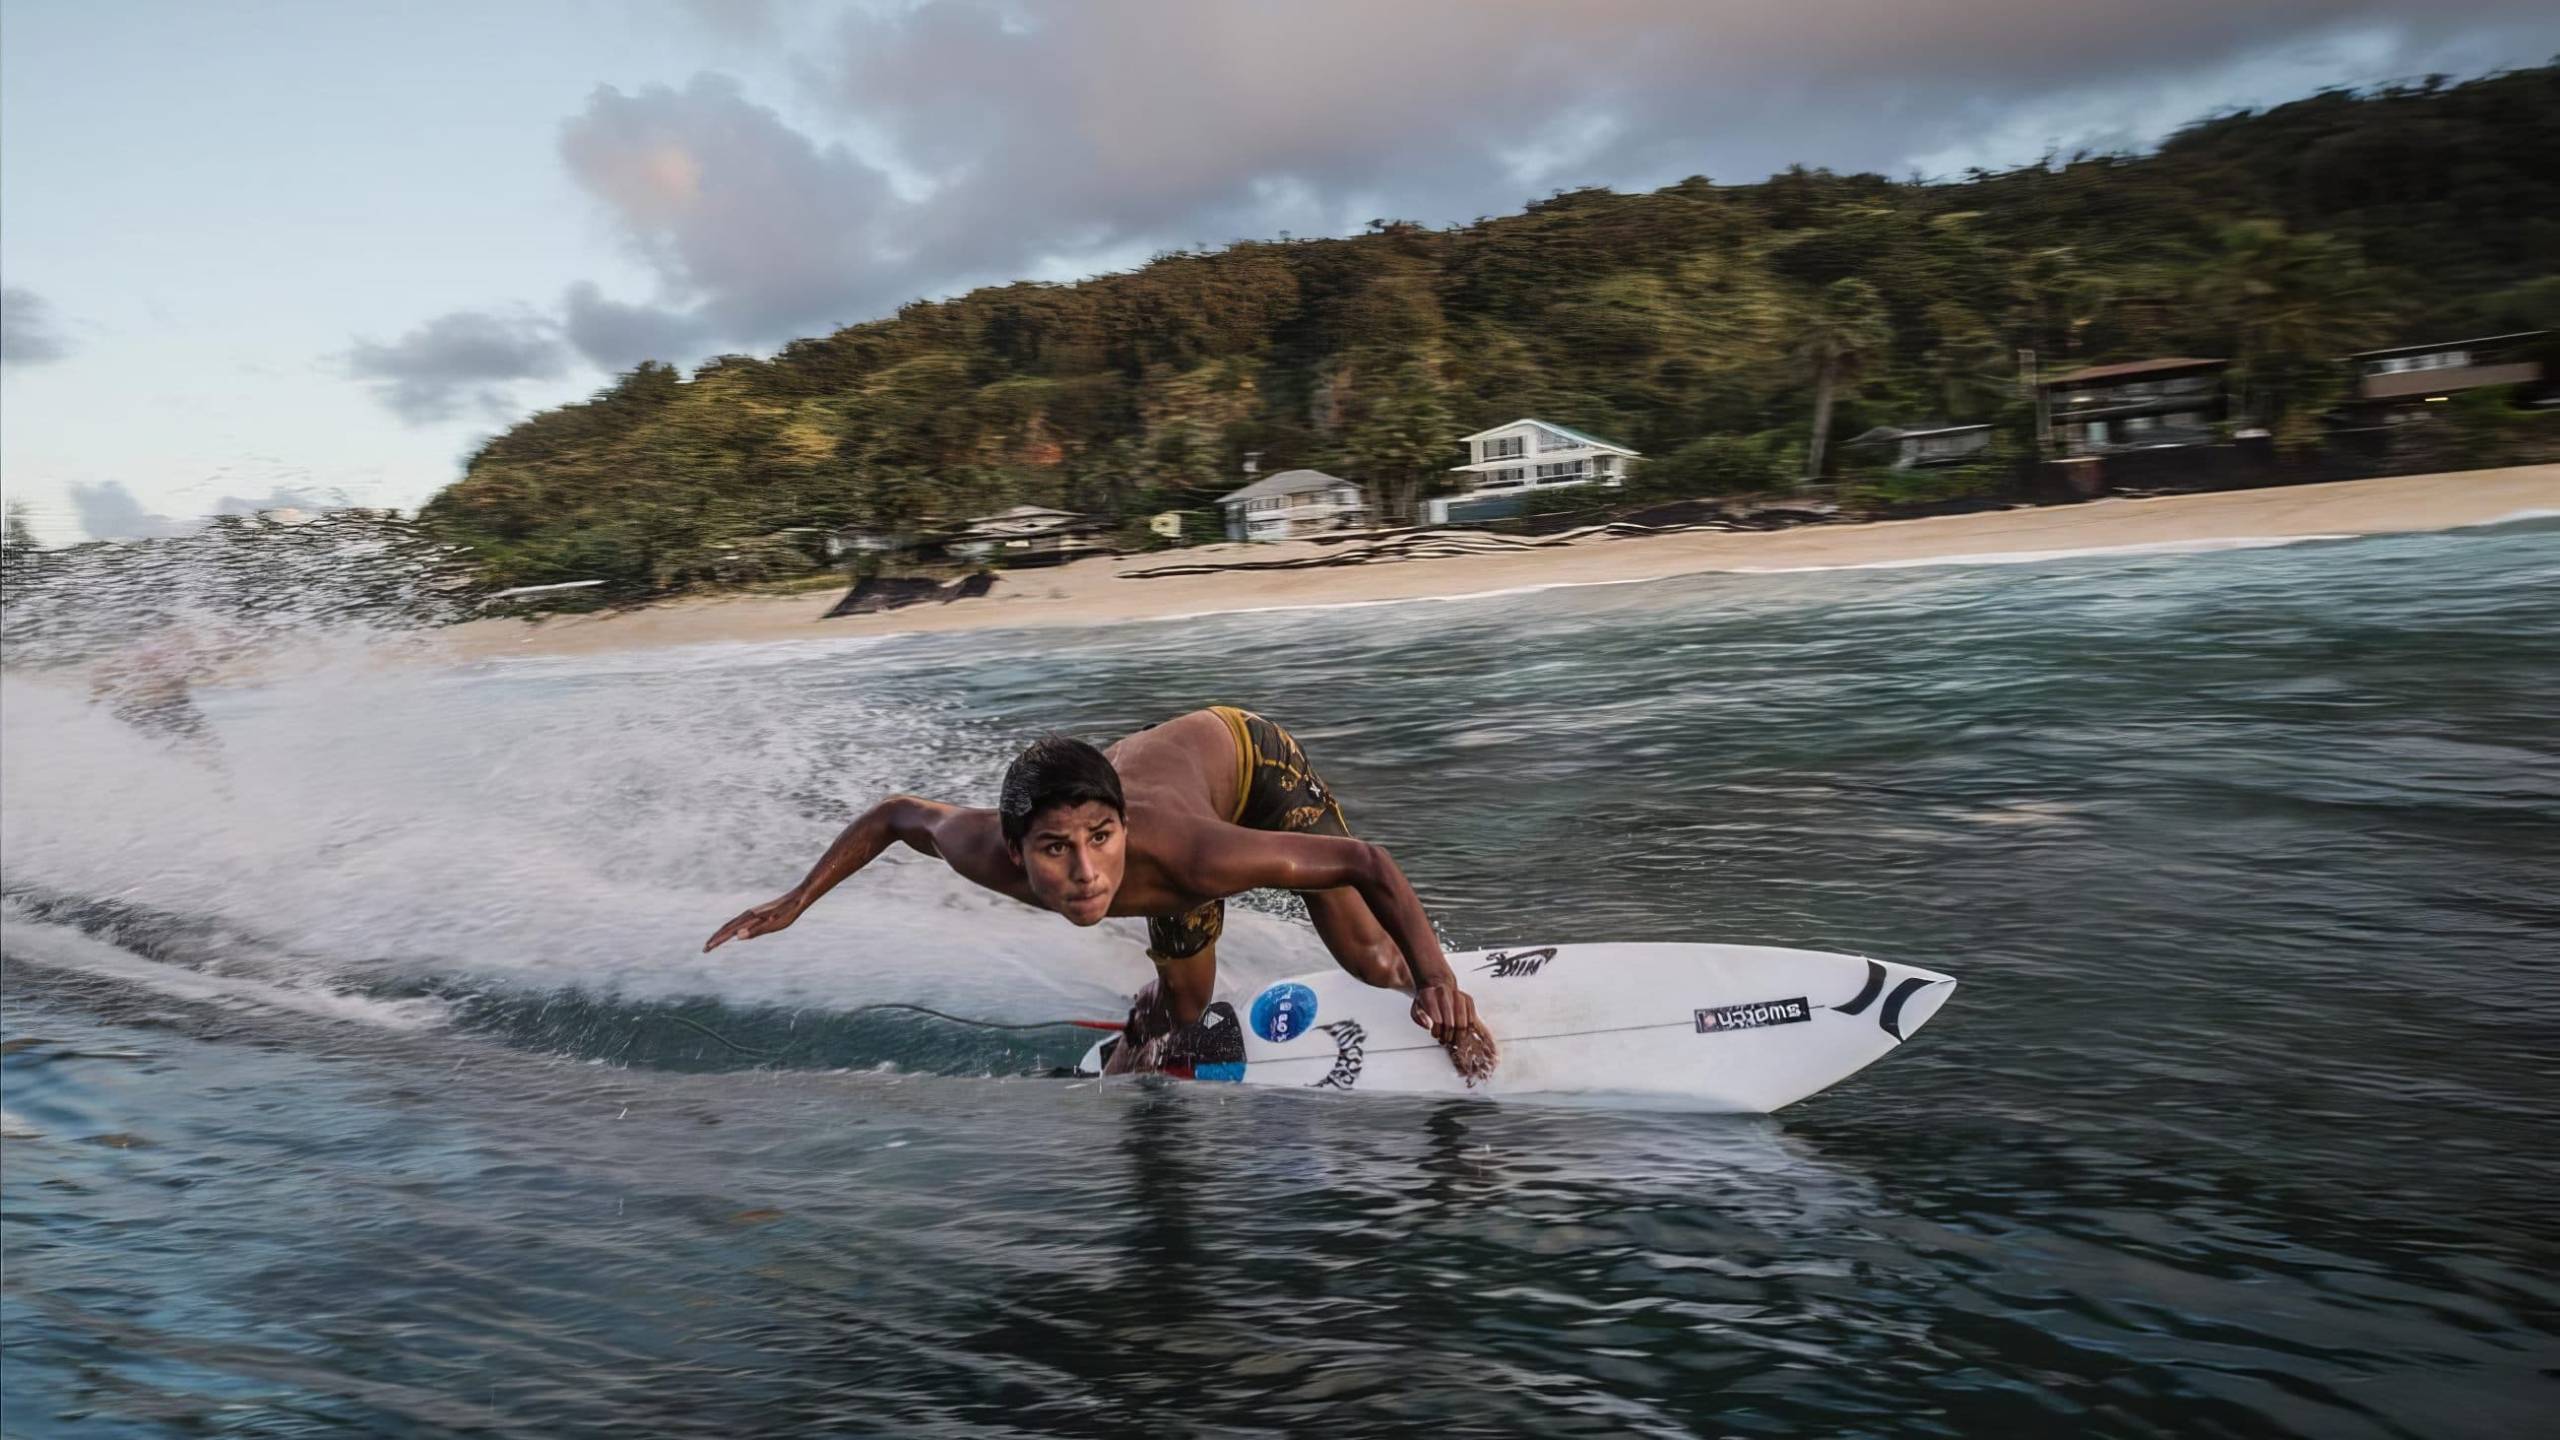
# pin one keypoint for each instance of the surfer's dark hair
(1055, 770)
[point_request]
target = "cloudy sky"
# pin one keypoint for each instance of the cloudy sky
(260, 251)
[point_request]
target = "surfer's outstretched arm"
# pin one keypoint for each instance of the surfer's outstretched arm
(947, 832)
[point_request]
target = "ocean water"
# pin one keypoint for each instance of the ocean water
(363, 1075)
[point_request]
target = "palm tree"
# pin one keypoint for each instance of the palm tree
(1836, 340)
(1967, 367)
(2055, 295)
(2290, 304)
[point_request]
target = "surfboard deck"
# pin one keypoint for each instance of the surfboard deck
(1725, 1028)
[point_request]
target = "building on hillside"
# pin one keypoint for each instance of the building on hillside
(2398, 382)
(1030, 535)
(1508, 462)
(2139, 405)
(863, 540)
(1293, 504)
(1929, 445)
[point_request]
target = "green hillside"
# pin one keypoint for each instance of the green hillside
(1694, 323)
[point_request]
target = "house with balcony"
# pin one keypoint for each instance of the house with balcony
(1929, 445)
(1293, 504)
(1030, 535)
(2398, 382)
(1509, 462)
(2138, 405)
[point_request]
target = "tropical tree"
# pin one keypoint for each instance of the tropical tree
(2055, 295)
(1968, 364)
(2289, 305)
(1407, 440)
(1841, 334)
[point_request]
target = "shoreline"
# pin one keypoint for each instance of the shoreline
(1092, 592)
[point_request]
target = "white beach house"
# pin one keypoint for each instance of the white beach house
(1510, 461)
(1293, 503)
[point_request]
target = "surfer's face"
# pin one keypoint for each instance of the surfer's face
(1074, 857)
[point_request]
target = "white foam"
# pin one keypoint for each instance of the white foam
(2517, 518)
(59, 947)
(2037, 557)
(551, 829)
(1432, 599)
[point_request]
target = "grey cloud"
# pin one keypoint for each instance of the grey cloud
(1039, 139)
(756, 231)
(282, 497)
(28, 335)
(615, 336)
(1141, 120)
(108, 511)
(458, 361)
(1074, 139)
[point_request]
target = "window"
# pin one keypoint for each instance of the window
(1506, 448)
(1562, 470)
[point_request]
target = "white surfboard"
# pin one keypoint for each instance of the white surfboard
(1732, 1028)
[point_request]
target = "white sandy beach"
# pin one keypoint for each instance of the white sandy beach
(1098, 592)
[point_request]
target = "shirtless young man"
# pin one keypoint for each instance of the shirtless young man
(1167, 824)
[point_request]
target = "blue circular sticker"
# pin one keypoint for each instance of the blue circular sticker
(1284, 1012)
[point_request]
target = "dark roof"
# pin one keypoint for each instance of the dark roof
(2435, 345)
(2131, 368)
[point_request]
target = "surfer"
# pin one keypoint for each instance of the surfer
(1167, 824)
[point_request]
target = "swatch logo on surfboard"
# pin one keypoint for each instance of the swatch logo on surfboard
(1754, 1015)
(1284, 1012)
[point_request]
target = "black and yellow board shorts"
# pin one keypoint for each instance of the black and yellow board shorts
(1276, 789)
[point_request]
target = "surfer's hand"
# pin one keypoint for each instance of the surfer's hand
(1450, 1016)
(1445, 1011)
(772, 915)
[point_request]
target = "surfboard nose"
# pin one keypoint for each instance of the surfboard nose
(1912, 995)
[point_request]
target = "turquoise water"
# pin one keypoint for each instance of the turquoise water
(363, 1073)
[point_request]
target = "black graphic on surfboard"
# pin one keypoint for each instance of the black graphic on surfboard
(1349, 1041)
(1888, 1019)
(1506, 964)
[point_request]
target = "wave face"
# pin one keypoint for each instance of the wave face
(363, 1071)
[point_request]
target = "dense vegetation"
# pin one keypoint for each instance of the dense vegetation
(1704, 324)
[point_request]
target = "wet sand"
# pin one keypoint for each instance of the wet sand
(1099, 592)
